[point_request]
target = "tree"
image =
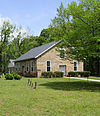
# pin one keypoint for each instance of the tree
(15, 46)
(45, 35)
(79, 25)
(5, 35)
(10, 44)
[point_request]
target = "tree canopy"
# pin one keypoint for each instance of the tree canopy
(78, 26)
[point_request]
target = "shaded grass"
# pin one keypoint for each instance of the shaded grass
(54, 97)
(74, 86)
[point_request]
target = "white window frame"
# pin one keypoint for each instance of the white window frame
(32, 66)
(27, 67)
(75, 66)
(19, 67)
(47, 66)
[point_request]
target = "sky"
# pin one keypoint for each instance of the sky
(33, 15)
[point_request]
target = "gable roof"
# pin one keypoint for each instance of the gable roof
(36, 52)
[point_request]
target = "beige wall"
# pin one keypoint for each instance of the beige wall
(53, 56)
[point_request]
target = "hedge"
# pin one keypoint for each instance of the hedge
(47, 74)
(58, 74)
(16, 76)
(12, 76)
(9, 76)
(79, 73)
(55, 74)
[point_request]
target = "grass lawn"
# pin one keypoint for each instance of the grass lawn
(96, 78)
(54, 97)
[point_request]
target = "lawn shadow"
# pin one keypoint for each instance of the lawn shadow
(73, 86)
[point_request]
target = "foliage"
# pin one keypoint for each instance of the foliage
(55, 74)
(14, 42)
(12, 76)
(92, 64)
(47, 74)
(72, 74)
(9, 76)
(0, 76)
(78, 26)
(46, 34)
(8, 48)
(6, 30)
(16, 76)
(79, 73)
(58, 74)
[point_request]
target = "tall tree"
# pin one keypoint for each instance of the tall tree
(5, 35)
(79, 25)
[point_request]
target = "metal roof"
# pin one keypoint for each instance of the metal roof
(36, 52)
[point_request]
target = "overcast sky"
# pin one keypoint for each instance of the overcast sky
(32, 14)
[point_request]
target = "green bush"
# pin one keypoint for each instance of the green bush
(58, 74)
(72, 74)
(0, 76)
(9, 76)
(47, 74)
(79, 73)
(85, 74)
(16, 76)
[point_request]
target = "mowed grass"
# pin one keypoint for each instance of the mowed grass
(53, 97)
(96, 78)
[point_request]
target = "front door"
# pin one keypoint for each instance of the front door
(62, 68)
(23, 70)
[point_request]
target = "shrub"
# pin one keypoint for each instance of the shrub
(0, 76)
(73, 74)
(16, 76)
(9, 76)
(47, 74)
(85, 74)
(79, 73)
(58, 74)
(55, 74)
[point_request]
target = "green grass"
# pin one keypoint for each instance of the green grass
(53, 97)
(95, 78)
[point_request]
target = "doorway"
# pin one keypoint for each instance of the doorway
(62, 68)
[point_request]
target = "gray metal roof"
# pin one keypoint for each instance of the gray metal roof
(36, 52)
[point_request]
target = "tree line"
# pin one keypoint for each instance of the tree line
(14, 42)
